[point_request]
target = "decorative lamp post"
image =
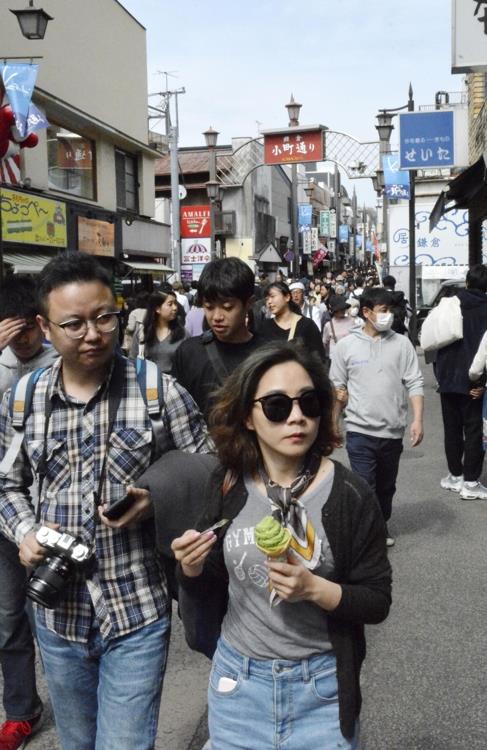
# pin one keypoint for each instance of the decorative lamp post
(293, 110)
(384, 128)
(32, 21)
(212, 186)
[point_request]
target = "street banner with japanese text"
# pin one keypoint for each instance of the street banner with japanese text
(305, 214)
(325, 223)
(396, 181)
(19, 81)
(29, 219)
(343, 233)
(315, 243)
(333, 223)
(307, 248)
(286, 148)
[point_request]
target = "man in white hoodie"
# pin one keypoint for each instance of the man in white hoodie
(23, 350)
(378, 369)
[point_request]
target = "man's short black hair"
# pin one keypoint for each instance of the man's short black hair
(359, 281)
(18, 298)
(224, 278)
(477, 277)
(67, 268)
(389, 281)
(375, 296)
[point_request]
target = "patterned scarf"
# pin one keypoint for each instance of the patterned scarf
(292, 514)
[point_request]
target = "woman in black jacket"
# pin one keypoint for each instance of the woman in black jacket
(286, 668)
(287, 322)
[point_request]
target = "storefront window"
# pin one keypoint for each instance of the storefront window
(71, 160)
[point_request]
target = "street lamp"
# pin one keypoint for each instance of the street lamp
(212, 186)
(32, 21)
(293, 109)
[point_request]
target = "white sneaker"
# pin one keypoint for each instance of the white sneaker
(452, 483)
(473, 491)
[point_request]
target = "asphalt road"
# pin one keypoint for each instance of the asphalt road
(425, 679)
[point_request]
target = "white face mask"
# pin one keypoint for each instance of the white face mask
(353, 312)
(383, 321)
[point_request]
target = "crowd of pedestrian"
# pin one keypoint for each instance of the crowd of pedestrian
(181, 446)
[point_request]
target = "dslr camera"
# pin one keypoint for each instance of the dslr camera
(46, 583)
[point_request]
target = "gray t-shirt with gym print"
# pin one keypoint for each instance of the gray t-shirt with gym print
(251, 625)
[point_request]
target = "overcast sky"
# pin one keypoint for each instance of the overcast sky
(342, 59)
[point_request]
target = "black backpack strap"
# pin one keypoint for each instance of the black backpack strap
(215, 357)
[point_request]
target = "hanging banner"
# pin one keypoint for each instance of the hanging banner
(286, 148)
(307, 241)
(32, 220)
(19, 81)
(325, 223)
(343, 233)
(35, 119)
(333, 223)
(315, 243)
(305, 213)
(396, 182)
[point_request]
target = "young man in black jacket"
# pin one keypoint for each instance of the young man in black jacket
(461, 402)
(201, 363)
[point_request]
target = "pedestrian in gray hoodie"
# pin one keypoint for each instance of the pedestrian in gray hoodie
(23, 350)
(375, 370)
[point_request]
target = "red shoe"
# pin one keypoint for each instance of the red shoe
(14, 734)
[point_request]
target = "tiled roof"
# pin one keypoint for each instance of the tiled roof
(190, 161)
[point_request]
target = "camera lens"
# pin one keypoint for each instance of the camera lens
(47, 581)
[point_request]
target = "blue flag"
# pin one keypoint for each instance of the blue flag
(19, 81)
(35, 119)
(396, 182)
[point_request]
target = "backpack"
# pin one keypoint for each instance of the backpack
(22, 394)
(399, 309)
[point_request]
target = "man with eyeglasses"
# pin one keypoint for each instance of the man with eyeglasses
(89, 434)
(23, 349)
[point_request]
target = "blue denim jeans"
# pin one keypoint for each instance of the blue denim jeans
(376, 460)
(106, 694)
(17, 652)
(274, 704)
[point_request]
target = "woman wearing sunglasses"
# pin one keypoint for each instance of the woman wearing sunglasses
(286, 668)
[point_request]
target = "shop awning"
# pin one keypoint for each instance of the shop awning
(461, 191)
(27, 262)
(146, 267)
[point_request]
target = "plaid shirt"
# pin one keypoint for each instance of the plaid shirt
(124, 588)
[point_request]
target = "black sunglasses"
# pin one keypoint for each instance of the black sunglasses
(277, 406)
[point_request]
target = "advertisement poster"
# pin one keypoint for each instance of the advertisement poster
(195, 222)
(96, 237)
(447, 244)
(32, 220)
(195, 251)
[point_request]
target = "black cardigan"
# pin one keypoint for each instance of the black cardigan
(355, 530)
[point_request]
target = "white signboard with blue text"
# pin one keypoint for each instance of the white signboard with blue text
(447, 244)
(426, 140)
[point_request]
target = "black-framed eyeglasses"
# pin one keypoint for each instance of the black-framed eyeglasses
(278, 406)
(77, 328)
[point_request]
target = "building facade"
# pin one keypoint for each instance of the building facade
(93, 169)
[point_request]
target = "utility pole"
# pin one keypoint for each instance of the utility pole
(172, 133)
